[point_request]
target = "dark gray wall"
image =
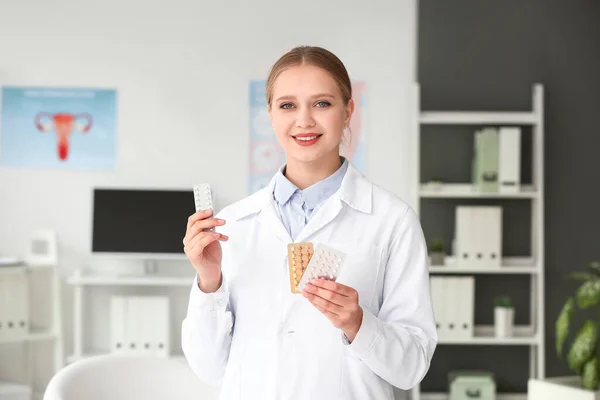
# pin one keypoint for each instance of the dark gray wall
(486, 55)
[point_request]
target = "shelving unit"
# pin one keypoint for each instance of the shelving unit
(531, 335)
(80, 281)
(38, 334)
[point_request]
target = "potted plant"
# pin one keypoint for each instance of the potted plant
(582, 355)
(504, 316)
(435, 183)
(436, 252)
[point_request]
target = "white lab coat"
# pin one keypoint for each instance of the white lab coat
(261, 342)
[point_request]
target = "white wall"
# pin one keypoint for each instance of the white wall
(182, 69)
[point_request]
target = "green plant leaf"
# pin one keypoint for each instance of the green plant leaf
(595, 267)
(584, 346)
(562, 324)
(582, 276)
(590, 376)
(588, 294)
(503, 301)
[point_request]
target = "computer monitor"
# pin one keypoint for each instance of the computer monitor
(147, 224)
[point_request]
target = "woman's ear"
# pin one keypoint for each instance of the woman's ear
(348, 112)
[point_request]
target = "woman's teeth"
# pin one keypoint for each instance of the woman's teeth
(307, 138)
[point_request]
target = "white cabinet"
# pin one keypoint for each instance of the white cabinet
(30, 318)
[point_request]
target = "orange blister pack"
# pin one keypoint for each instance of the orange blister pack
(299, 255)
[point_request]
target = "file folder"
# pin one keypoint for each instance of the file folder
(510, 159)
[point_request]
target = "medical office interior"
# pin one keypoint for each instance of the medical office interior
(481, 114)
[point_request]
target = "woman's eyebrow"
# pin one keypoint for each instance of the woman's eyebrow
(291, 97)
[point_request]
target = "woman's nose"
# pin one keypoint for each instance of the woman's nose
(305, 119)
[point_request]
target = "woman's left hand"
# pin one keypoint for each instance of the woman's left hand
(339, 303)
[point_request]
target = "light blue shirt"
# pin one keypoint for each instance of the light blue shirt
(296, 206)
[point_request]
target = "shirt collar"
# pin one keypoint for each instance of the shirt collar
(355, 190)
(284, 189)
(312, 195)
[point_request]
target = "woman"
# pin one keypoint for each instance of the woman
(353, 338)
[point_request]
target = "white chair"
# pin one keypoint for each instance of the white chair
(128, 377)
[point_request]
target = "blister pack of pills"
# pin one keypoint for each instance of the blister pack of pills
(325, 263)
(299, 255)
(203, 198)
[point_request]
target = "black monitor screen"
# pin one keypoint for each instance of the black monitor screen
(140, 221)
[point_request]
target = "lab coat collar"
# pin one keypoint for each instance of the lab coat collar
(356, 191)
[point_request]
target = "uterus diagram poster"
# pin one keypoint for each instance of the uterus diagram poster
(266, 155)
(69, 128)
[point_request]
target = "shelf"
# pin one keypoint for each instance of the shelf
(508, 265)
(484, 335)
(71, 358)
(130, 280)
(35, 336)
(10, 390)
(484, 271)
(478, 118)
(466, 190)
(22, 268)
(499, 396)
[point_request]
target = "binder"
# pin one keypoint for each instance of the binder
(488, 241)
(132, 325)
(437, 298)
(452, 314)
(465, 237)
(21, 304)
(118, 319)
(161, 328)
(465, 306)
(148, 317)
(485, 160)
(4, 306)
(509, 174)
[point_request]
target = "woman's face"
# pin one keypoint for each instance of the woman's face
(308, 113)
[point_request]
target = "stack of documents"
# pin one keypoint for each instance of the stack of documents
(14, 306)
(496, 165)
(454, 306)
(140, 324)
(478, 236)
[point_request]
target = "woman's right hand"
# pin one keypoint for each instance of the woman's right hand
(203, 248)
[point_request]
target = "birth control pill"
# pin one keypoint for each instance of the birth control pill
(299, 255)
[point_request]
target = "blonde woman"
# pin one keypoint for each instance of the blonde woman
(353, 338)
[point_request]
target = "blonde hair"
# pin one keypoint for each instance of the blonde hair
(314, 56)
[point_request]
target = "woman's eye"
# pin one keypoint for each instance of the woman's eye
(323, 104)
(285, 106)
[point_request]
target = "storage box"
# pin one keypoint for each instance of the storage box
(470, 385)
(559, 388)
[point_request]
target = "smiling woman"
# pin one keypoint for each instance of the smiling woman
(309, 97)
(249, 328)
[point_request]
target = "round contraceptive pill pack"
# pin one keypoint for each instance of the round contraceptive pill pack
(325, 263)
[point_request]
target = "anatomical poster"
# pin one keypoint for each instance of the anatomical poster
(58, 128)
(266, 155)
